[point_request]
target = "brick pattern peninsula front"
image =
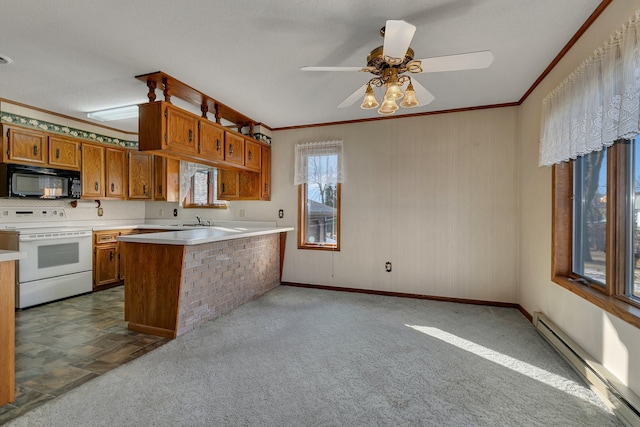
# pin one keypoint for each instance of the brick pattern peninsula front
(173, 288)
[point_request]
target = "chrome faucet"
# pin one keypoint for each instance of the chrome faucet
(199, 220)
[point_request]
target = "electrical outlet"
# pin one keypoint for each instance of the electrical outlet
(281, 213)
(241, 213)
(175, 212)
(387, 266)
(160, 212)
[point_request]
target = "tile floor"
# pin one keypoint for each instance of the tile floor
(64, 344)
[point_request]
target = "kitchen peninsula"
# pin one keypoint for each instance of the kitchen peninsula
(7, 324)
(178, 280)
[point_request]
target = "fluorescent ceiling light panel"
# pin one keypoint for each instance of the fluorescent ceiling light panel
(119, 113)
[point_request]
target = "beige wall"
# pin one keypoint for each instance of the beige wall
(611, 341)
(435, 195)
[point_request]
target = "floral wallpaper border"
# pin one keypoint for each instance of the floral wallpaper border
(15, 119)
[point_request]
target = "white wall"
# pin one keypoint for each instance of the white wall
(435, 195)
(614, 343)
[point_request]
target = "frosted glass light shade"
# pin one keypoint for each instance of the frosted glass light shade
(369, 100)
(410, 99)
(393, 92)
(389, 106)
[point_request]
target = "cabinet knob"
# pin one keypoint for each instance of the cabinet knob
(57, 153)
(223, 187)
(113, 187)
(110, 255)
(144, 189)
(35, 150)
(96, 186)
(249, 155)
(190, 135)
(159, 189)
(230, 148)
(217, 144)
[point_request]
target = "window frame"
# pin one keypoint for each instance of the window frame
(302, 224)
(211, 188)
(610, 297)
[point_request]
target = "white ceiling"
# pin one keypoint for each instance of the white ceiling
(76, 56)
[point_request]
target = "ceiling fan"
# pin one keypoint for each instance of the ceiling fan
(393, 59)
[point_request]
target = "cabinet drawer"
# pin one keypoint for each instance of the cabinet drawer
(103, 237)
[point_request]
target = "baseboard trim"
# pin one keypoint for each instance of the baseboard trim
(408, 295)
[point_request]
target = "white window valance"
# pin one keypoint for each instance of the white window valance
(598, 104)
(322, 148)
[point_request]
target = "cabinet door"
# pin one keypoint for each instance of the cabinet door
(166, 179)
(252, 156)
(105, 266)
(234, 148)
(211, 140)
(265, 174)
(228, 184)
(181, 130)
(26, 146)
(115, 173)
(140, 175)
(159, 178)
(64, 153)
(92, 171)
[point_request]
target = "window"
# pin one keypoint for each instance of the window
(596, 228)
(203, 190)
(319, 176)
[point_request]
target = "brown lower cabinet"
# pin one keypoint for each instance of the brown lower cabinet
(106, 265)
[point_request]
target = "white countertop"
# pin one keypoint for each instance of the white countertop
(200, 235)
(11, 255)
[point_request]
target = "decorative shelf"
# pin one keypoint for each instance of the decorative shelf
(173, 87)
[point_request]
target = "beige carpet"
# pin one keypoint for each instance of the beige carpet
(307, 357)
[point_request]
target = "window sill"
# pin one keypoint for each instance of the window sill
(320, 247)
(205, 206)
(624, 310)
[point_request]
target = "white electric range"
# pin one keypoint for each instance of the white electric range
(58, 263)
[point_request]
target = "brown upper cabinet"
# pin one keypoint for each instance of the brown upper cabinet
(92, 170)
(234, 148)
(167, 130)
(33, 147)
(24, 146)
(140, 175)
(64, 153)
(265, 173)
(102, 165)
(252, 156)
(166, 179)
(211, 139)
(115, 173)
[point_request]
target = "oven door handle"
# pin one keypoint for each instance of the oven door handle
(53, 236)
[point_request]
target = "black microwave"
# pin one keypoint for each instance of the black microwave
(39, 182)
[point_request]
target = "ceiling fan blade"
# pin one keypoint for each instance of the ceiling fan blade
(423, 95)
(462, 61)
(397, 38)
(332, 69)
(359, 93)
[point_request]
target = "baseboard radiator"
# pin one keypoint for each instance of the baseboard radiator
(624, 402)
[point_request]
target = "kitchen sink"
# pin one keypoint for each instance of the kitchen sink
(196, 225)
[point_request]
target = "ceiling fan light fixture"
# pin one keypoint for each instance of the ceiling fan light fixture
(410, 100)
(370, 100)
(388, 106)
